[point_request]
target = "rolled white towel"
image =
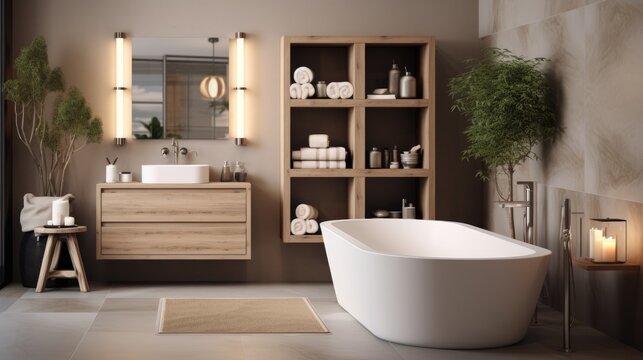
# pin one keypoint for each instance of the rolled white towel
(332, 90)
(312, 226)
(295, 91)
(305, 211)
(303, 75)
(318, 141)
(345, 90)
(298, 226)
(310, 164)
(322, 154)
(307, 90)
(296, 155)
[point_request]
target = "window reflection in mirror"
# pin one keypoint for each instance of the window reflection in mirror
(166, 101)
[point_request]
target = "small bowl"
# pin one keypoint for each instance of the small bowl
(395, 214)
(409, 159)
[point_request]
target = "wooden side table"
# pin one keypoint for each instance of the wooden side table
(52, 253)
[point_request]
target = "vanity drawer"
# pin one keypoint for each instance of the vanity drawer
(173, 240)
(177, 205)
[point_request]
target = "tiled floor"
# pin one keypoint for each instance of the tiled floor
(118, 322)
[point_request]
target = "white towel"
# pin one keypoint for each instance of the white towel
(298, 226)
(303, 75)
(332, 90)
(318, 141)
(305, 211)
(322, 164)
(337, 164)
(307, 90)
(296, 155)
(345, 90)
(341, 154)
(312, 226)
(305, 164)
(308, 154)
(322, 154)
(295, 91)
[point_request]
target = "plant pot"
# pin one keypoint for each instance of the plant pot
(32, 250)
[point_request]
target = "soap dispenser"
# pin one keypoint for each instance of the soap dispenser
(408, 85)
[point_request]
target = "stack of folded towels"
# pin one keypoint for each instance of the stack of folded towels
(305, 222)
(319, 155)
(302, 88)
(337, 90)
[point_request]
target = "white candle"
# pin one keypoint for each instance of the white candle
(69, 221)
(595, 244)
(59, 209)
(609, 249)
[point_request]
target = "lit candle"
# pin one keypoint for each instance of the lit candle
(609, 249)
(595, 244)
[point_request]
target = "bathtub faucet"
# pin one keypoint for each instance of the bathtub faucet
(529, 204)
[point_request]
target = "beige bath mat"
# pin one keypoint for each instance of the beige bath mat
(228, 316)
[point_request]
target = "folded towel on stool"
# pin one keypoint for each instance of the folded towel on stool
(305, 211)
(318, 141)
(312, 226)
(298, 226)
(303, 75)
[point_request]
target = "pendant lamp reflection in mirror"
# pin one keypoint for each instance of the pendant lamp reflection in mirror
(212, 87)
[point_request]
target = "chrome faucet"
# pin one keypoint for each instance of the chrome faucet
(529, 204)
(176, 150)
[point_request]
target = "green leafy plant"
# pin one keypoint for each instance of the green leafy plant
(51, 143)
(509, 103)
(154, 128)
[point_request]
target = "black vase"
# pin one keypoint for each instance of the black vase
(32, 250)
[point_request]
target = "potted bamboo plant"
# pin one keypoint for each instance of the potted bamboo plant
(509, 103)
(50, 142)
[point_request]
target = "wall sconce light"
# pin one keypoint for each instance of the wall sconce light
(240, 88)
(119, 87)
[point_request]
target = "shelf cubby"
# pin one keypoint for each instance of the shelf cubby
(379, 59)
(357, 124)
(387, 194)
(330, 198)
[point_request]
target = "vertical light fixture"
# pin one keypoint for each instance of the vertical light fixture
(119, 87)
(240, 88)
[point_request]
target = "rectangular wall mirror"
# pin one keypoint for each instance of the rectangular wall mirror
(179, 90)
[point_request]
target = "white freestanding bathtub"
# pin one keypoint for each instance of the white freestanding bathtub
(434, 283)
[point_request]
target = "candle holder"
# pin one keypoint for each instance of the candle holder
(608, 240)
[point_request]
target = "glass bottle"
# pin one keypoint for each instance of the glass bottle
(394, 80)
(239, 172)
(375, 159)
(226, 172)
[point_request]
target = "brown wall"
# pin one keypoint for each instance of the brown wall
(595, 48)
(80, 38)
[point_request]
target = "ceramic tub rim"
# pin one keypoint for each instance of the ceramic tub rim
(356, 243)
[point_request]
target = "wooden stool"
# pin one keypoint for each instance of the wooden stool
(52, 253)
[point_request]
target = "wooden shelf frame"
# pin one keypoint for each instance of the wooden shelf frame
(356, 48)
(589, 265)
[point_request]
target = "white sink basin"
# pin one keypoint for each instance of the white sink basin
(175, 174)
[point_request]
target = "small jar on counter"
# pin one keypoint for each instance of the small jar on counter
(239, 173)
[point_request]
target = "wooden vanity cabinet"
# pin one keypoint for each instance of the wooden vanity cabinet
(173, 221)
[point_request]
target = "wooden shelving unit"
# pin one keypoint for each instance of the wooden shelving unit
(357, 124)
